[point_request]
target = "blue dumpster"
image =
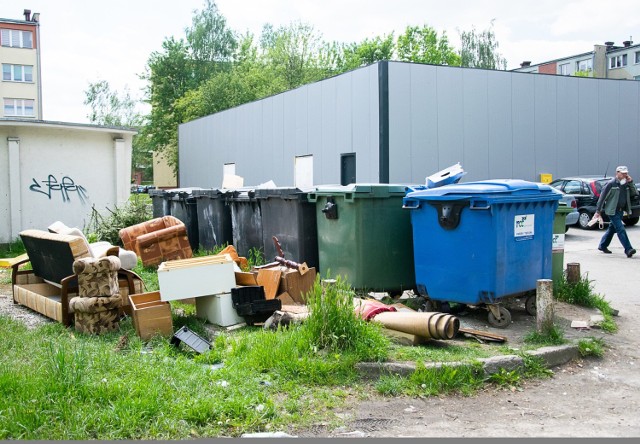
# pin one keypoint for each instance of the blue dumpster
(479, 242)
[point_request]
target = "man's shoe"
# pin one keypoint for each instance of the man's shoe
(606, 250)
(631, 252)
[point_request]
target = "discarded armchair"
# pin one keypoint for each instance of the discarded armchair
(157, 240)
(97, 307)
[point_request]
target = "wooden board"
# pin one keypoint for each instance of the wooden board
(270, 280)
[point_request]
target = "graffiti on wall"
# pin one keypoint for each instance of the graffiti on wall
(50, 186)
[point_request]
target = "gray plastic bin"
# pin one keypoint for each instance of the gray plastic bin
(214, 217)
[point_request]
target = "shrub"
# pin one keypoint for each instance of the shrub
(106, 228)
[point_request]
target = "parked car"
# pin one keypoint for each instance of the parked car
(137, 189)
(586, 190)
(569, 201)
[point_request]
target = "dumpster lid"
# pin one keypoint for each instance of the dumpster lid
(212, 193)
(362, 190)
(282, 192)
(496, 188)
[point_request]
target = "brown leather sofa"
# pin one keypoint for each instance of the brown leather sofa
(157, 240)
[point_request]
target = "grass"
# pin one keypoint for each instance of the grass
(552, 336)
(591, 347)
(581, 293)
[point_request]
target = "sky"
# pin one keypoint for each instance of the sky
(83, 42)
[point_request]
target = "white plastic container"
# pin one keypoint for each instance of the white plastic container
(192, 278)
(218, 309)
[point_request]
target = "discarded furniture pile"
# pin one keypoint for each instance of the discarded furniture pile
(52, 282)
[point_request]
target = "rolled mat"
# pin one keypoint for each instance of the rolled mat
(432, 325)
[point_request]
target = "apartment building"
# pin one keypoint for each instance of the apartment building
(21, 86)
(607, 61)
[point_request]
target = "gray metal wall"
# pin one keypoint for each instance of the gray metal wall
(327, 118)
(502, 125)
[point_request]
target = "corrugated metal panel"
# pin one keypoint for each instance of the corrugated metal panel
(544, 123)
(450, 116)
(629, 134)
(588, 128)
(608, 116)
(476, 121)
(523, 115)
(338, 115)
(568, 142)
(499, 96)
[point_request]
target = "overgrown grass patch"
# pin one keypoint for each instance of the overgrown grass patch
(552, 336)
(591, 346)
(582, 293)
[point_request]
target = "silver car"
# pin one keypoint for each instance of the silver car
(572, 218)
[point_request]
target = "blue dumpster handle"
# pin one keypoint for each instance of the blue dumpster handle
(479, 205)
(411, 204)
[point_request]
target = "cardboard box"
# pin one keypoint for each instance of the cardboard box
(195, 277)
(151, 315)
(218, 309)
(296, 284)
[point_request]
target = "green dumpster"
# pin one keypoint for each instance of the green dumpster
(365, 236)
(557, 258)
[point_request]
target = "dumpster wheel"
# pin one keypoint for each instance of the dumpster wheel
(530, 305)
(503, 318)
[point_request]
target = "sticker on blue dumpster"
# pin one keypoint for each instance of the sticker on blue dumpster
(523, 226)
(557, 243)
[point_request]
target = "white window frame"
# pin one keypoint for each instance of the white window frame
(618, 61)
(587, 62)
(15, 38)
(564, 69)
(19, 107)
(22, 69)
(637, 57)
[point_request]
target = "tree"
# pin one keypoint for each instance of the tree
(368, 52)
(422, 45)
(480, 50)
(110, 108)
(211, 43)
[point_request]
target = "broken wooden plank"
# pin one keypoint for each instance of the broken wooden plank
(482, 334)
(270, 280)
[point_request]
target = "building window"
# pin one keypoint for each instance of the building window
(17, 73)
(584, 65)
(618, 61)
(564, 69)
(637, 57)
(16, 39)
(19, 108)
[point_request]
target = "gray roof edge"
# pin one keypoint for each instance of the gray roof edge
(56, 124)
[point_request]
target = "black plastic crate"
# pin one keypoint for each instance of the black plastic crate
(247, 295)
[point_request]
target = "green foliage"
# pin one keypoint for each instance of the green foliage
(506, 378)
(106, 228)
(583, 73)
(480, 50)
(433, 381)
(534, 367)
(12, 249)
(367, 52)
(581, 293)
(591, 346)
(255, 258)
(552, 336)
(422, 45)
(334, 326)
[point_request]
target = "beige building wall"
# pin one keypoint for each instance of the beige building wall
(163, 175)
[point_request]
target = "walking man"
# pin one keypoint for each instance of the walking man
(616, 199)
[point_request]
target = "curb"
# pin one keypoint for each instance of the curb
(550, 356)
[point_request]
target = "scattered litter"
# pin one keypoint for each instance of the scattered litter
(378, 295)
(580, 324)
(595, 320)
(477, 334)
(411, 409)
(354, 434)
(214, 367)
(191, 339)
(260, 407)
(267, 435)
(223, 383)
(265, 383)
